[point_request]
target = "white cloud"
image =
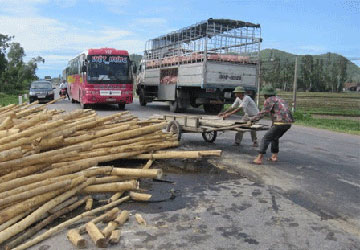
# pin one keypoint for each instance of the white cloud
(151, 21)
(20, 8)
(38, 34)
(115, 6)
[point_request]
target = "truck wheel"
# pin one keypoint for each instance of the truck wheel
(174, 106)
(142, 99)
(209, 136)
(175, 128)
(213, 108)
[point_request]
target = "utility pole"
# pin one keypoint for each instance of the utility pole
(295, 86)
(258, 84)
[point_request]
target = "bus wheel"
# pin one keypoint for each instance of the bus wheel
(84, 106)
(213, 108)
(121, 106)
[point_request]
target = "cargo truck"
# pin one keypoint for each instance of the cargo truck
(200, 65)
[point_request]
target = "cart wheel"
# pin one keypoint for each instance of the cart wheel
(174, 127)
(209, 136)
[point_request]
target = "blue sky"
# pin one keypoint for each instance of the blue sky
(58, 30)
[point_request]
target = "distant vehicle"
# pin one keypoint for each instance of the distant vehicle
(200, 65)
(99, 76)
(42, 91)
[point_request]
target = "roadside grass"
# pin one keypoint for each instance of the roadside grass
(6, 99)
(344, 126)
(339, 105)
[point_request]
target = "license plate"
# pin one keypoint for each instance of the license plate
(41, 96)
(110, 92)
(110, 100)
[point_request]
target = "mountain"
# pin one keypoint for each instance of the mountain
(270, 55)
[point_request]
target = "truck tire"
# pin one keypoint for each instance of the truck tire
(142, 99)
(174, 106)
(213, 108)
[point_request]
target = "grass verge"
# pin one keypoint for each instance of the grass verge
(6, 99)
(344, 126)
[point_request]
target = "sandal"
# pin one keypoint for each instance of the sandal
(272, 160)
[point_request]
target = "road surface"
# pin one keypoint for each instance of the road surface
(310, 199)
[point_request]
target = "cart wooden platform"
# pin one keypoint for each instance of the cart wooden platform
(208, 126)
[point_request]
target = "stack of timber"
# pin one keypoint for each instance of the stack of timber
(49, 166)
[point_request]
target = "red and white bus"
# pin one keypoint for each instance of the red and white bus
(99, 76)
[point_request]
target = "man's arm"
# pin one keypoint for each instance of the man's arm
(235, 107)
(268, 106)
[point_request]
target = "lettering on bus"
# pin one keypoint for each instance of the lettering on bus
(108, 59)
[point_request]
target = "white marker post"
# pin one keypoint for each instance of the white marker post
(20, 99)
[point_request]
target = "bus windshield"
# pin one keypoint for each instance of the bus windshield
(107, 68)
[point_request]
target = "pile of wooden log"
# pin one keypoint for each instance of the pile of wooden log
(49, 166)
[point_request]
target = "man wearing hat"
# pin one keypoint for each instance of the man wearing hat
(281, 122)
(250, 109)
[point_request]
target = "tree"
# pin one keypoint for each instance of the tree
(307, 66)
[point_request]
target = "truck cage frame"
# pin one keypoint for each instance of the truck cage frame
(213, 39)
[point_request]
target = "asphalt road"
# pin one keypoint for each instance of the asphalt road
(310, 199)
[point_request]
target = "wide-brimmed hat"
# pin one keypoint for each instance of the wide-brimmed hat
(239, 90)
(268, 90)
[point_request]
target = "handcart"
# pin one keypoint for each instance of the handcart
(208, 126)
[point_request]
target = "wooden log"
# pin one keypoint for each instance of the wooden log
(111, 187)
(34, 216)
(115, 237)
(140, 219)
(126, 141)
(106, 217)
(129, 134)
(48, 144)
(37, 191)
(115, 197)
(7, 123)
(111, 117)
(171, 155)
(111, 215)
(33, 121)
(122, 218)
(14, 220)
(111, 226)
(21, 173)
(76, 239)
(11, 154)
(139, 196)
(202, 152)
(89, 204)
(148, 164)
(137, 173)
(96, 236)
(8, 132)
(66, 203)
(45, 157)
(11, 212)
(109, 179)
(28, 183)
(35, 229)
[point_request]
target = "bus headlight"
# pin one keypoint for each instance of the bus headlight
(32, 93)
